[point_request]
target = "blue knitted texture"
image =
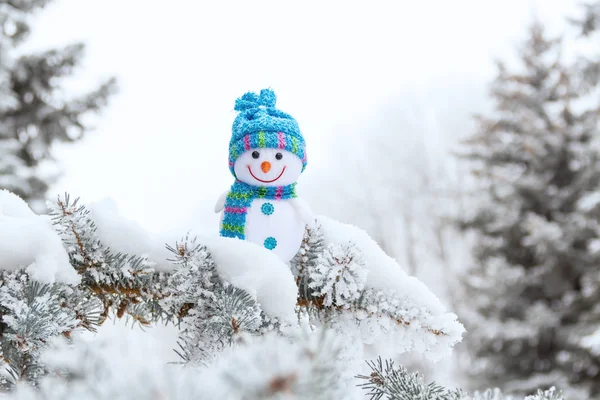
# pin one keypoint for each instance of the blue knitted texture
(260, 125)
(239, 199)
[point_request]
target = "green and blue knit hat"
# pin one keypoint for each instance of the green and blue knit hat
(260, 125)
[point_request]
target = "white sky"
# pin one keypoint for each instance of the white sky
(160, 150)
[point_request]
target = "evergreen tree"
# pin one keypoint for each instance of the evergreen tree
(33, 113)
(535, 288)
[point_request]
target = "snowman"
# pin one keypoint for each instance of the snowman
(267, 154)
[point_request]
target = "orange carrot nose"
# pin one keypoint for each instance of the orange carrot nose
(265, 166)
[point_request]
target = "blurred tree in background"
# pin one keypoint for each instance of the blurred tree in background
(588, 68)
(532, 301)
(33, 113)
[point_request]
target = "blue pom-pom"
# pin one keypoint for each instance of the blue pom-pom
(268, 98)
(247, 101)
(251, 100)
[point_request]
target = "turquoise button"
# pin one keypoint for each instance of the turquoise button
(267, 208)
(270, 243)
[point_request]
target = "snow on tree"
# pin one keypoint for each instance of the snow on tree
(535, 288)
(339, 275)
(33, 113)
(311, 248)
(389, 298)
(231, 299)
(42, 252)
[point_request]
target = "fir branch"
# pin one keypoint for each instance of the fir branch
(126, 284)
(396, 383)
(325, 273)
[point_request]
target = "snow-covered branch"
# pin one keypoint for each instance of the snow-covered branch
(231, 300)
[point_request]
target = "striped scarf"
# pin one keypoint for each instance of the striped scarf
(239, 199)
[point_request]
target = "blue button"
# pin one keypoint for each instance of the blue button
(267, 208)
(270, 243)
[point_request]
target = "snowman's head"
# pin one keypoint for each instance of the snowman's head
(266, 147)
(268, 167)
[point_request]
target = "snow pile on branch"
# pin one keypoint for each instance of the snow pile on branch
(384, 272)
(370, 286)
(28, 241)
(243, 264)
(126, 236)
(394, 308)
(259, 272)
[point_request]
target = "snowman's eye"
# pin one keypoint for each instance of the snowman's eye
(279, 156)
(255, 154)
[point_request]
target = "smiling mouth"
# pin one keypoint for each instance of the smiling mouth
(260, 180)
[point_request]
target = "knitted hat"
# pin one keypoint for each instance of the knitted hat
(260, 125)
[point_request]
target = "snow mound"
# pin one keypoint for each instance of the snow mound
(122, 235)
(384, 272)
(259, 272)
(28, 241)
(14, 206)
(245, 265)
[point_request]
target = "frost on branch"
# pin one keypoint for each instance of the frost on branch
(550, 394)
(339, 275)
(346, 280)
(126, 284)
(390, 382)
(311, 248)
(306, 366)
(37, 298)
(396, 383)
(231, 300)
(32, 313)
(114, 367)
(213, 314)
(303, 367)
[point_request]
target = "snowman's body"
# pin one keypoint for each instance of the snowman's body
(283, 220)
(275, 223)
(277, 219)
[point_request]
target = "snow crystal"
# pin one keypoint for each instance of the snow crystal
(28, 241)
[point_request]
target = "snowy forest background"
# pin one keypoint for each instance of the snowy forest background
(463, 139)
